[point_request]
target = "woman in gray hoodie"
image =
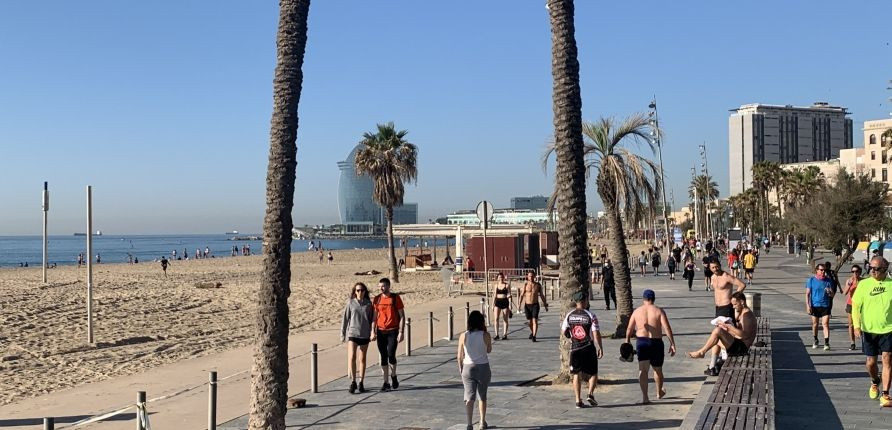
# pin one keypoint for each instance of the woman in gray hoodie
(356, 329)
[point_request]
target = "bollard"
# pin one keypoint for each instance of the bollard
(408, 337)
(140, 400)
(449, 326)
(430, 330)
(314, 369)
(467, 310)
(754, 301)
(552, 291)
(48, 423)
(212, 400)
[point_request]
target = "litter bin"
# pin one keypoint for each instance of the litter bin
(754, 300)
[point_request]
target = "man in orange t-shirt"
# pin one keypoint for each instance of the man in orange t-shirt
(387, 329)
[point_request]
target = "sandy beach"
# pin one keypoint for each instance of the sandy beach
(143, 319)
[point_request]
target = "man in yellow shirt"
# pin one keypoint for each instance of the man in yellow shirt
(749, 266)
(872, 322)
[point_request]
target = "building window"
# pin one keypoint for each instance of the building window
(885, 176)
(873, 155)
(873, 139)
(885, 158)
(873, 173)
(883, 140)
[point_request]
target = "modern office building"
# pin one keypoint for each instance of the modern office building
(405, 214)
(355, 202)
(783, 134)
(529, 203)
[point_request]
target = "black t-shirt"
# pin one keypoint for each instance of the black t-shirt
(580, 324)
(607, 273)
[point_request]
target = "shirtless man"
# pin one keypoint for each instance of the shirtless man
(735, 338)
(722, 283)
(529, 296)
(648, 323)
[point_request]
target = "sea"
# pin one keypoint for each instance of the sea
(15, 251)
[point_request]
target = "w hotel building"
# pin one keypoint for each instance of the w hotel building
(783, 134)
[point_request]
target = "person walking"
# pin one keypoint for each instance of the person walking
(872, 319)
(851, 286)
(474, 345)
(671, 264)
(529, 297)
(688, 273)
(608, 283)
(655, 262)
(818, 296)
(356, 329)
(581, 327)
(749, 266)
(830, 274)
(648, 323)
(734, 262)
(707, 272)
(330, 258)
(501, 304)
(642, 263)
(164, 264)
(388, 324)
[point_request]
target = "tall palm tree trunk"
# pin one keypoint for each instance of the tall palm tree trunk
(620, 259)
(394, 269)
(570, 170)
(269, 373)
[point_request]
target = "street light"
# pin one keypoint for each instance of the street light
(657, 140)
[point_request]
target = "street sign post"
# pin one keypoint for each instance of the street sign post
(484, 213)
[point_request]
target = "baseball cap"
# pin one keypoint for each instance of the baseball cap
(649, 295)
(579, 296)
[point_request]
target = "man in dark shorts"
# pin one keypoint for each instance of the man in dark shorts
(818, 299)
(707, 272)
(735, 338)
(648, 323)
(872, 321)
(581, 327)
(164, 264)
(388, 323)
(723, 284)
(529, 296)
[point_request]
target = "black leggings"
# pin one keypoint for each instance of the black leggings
(387, 341)
(609, 292)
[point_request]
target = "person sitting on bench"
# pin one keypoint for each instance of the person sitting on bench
(738, 339)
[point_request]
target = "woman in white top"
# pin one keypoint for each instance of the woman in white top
(474, 346)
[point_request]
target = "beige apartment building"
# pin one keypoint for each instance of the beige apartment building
(877, 149)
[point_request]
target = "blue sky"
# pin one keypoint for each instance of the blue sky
(164, 107)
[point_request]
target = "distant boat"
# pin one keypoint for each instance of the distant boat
(232, 232)
(98, 232)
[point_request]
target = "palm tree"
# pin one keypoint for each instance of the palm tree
(706, 190)
(766, 176)
(269, 373)
(570, 170)
(390, 161)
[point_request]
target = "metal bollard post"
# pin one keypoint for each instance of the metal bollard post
(408, 337)
(141, 400)
(49, 423)
(552, 291)
(212, 400)
(314, 369)
(430, 330)
(467, 310)
(449, 327)
(483, 309)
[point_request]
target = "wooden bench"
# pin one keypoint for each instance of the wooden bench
(743, 395)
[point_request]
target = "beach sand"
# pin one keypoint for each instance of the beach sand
(143, 319)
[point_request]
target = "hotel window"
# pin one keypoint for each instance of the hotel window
(873, 173)
(873, 139)
(885, 176)
(885, 158)
(873, 155)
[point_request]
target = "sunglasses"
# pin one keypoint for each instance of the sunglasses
(359, 290)
(819, 270)
(876, 269)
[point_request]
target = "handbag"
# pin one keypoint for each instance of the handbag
(510, 314)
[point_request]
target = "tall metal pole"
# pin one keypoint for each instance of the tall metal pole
(657, 133)
(89, 264)
(486, 258)
(705, 165)
(46, 208)
(697, 231)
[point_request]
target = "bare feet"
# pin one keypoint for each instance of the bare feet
(661, 394)
(696, 354)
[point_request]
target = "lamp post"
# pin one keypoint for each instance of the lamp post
(658, 140)
(696, 203)
(705, 167)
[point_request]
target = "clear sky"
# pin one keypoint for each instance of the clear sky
(164, 106)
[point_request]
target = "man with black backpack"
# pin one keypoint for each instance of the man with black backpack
(388, 323)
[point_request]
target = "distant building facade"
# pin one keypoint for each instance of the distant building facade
(877, 156)
(783, 134)
(529, 203)
(504, 216)
(357, 208)
(405, 214)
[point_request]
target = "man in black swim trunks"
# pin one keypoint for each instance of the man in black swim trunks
(581, 327)
(722, 284)
(735, 338)
(648, 323)
(529, 296)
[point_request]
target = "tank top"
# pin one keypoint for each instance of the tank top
(475, 348)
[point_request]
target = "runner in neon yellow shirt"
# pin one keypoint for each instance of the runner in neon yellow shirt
(872, 321)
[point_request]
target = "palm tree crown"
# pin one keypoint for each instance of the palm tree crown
(390, 161)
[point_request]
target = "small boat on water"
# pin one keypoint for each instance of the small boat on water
(232, 232)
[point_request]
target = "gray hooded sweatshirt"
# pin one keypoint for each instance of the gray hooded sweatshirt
(357, 320)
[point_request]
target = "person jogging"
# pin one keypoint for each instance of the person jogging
(818, 296)
(648, 323)
(851, 286)
(356, 330)
(581, 327)
(749, 266)
(529, 297)
(474, 345)
(608, 283)
(872, 318)
(387, 329)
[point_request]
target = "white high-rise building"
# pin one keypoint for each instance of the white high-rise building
(783, 134)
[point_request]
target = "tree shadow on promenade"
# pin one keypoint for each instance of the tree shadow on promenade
(650, 424)
(794, 373)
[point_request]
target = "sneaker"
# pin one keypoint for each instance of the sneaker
(352, 388)
(579, 405)
(711, 371)
(496, 338)
(533, 338)
(591, 400)
(505, 337)
(361, 387)
(827, 347)
(394, 382)
(815, 345)
(385, 387)
(873, 392)
(886, 401)
(852, 347)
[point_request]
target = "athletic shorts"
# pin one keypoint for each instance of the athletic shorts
(652, 350)
(584, 360)
(749, 271)
(531, 311)
(726, 311)
(361, 341)
(501, 303)
(875, 344)
(476, 379)
(737, 348)
(848, 308)
(820, 311)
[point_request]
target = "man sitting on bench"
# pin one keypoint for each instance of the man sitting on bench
(737, 340)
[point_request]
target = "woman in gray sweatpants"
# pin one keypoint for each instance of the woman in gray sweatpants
(474, 346)
(356, 330)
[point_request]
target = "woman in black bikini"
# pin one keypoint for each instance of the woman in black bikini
(501, 304)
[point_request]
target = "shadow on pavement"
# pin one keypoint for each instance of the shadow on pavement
(794, 374)
(652, 424)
